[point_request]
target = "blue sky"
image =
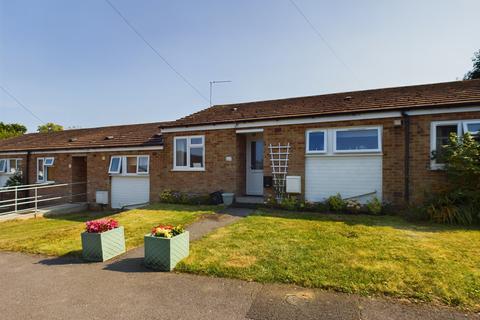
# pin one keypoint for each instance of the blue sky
(78, 64)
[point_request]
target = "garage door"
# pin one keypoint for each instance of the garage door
(351, 176)
(128, 191)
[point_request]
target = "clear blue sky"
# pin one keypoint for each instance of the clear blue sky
(78, 64)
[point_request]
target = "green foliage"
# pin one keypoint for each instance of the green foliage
(15, 180)
(291, 203)
(374, 206)
(176, 197)
(336, 203)
(49, 127)
(475, 72)
(10, 130)
(353, 206)
(460, 202)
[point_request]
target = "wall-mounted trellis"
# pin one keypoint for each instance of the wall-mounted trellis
(279, 155)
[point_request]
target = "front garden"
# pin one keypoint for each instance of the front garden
(362, 254)
(60, 235)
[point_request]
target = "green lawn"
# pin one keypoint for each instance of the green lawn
(60, 235)
(356, 254)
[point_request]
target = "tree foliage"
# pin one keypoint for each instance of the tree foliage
(475, 72)
(49, 127)
(10, 130)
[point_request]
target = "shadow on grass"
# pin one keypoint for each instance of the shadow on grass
(396, 222)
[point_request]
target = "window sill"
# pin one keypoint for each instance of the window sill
(187, 170)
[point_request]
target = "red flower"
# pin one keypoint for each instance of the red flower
(102, 225)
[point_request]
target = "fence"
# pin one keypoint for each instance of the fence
(27, 198)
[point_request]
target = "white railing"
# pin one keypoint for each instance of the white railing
(33, 202)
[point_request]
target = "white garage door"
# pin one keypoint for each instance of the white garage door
(351, 176)
(130, 191)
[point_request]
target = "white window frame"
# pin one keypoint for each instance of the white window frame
(148, 164)
(461, 128)
(9, 167)
(110, 171)
(465, 126)
(3, 165)
(379, 138)
(307, 138)
(189, 146)
(45, 169)
(122, 169)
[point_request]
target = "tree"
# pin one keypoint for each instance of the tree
(475, 72)
(49, 127)
(10, 130)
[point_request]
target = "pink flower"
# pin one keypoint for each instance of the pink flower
(102, 225)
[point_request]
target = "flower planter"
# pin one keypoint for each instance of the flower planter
(103, 246)
(164, 253)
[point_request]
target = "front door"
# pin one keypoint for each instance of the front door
(254, 166)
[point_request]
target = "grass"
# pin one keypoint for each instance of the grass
(355, 254)
(60, 235)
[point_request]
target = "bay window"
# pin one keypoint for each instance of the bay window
(189, 153)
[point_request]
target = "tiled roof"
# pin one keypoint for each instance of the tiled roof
(418, 96)
(147, 134)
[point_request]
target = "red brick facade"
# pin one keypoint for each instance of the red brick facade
(225, 144)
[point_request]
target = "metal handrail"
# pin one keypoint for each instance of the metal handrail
(36, 198)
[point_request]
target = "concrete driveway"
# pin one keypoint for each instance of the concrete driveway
(36, 287)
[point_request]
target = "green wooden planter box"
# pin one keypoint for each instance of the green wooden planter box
(103, 246)
(164, 253)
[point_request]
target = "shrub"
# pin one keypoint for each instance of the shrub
(460, 202)
(353, 206)
(336, 203)
(291, 203)
(102, 225)
(15, 180)
(168, 196)
(374, 206)
(167, 231)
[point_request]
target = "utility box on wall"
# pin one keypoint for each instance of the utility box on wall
(101, 197)
(294, 184)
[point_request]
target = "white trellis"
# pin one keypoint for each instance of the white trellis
(279, 162)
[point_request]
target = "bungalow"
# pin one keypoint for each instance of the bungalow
(359, 144)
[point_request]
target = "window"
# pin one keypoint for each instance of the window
(115, 165)
(256, 155)
(316, 141)
(473, 127)
(129, 165)
(189, 153)
(44, 169)
(357, 140)
(14, 165)
(3, 165)
(440, 134)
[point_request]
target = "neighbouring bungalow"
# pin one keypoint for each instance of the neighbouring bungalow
(362, 144)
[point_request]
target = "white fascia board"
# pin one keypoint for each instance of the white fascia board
(250, 130)
(99, 150)
(286, 122)
(421, 112)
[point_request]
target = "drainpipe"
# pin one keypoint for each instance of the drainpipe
(406, 121)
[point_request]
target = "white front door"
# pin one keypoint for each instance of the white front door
(254, 170)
